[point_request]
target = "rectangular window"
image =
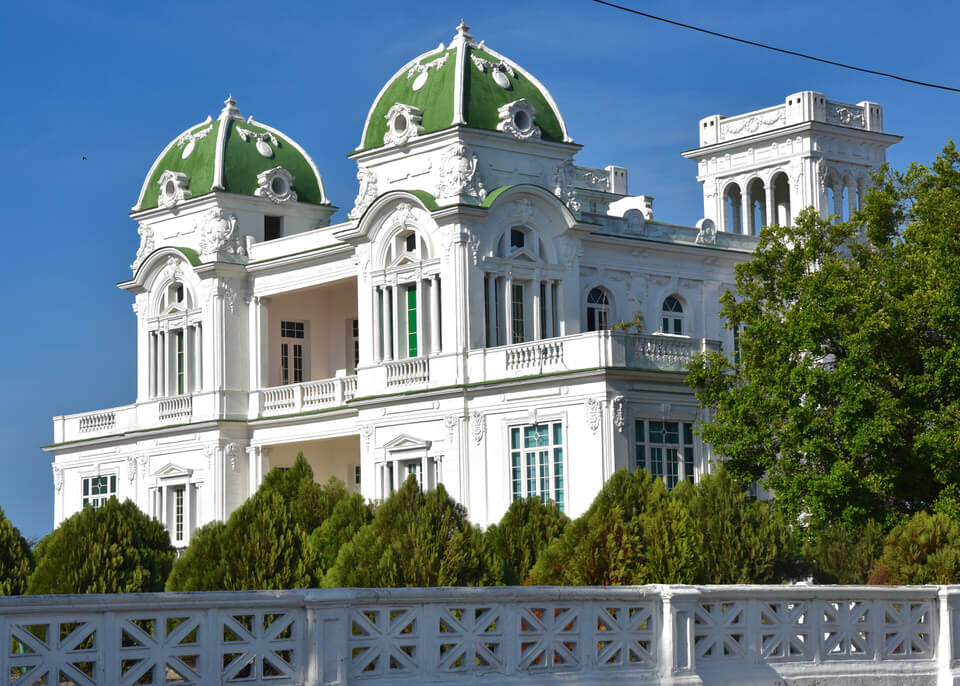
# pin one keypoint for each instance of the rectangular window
(411, 320)
(356, 475)
(516, 314)
(291, 352)
(97, 489)
(272, 227)
(178, 338)
(665, 449)
(178, 494)
(536, 462)
(355, 333)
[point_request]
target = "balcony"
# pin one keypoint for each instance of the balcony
(584, 351)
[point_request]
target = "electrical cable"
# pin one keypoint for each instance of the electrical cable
(776, 49)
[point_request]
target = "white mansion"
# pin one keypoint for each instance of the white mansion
(457, 325)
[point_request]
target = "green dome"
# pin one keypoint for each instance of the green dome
(464, 84)
(228, 154)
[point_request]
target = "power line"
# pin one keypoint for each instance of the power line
(774, 48)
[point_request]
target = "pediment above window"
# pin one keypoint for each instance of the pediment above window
(173, 471)
(404, 443)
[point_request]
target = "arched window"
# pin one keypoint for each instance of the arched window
(732, 209)
(672, 316)
(174, 343)
(598, 310)
(781, 199)
(757, 207)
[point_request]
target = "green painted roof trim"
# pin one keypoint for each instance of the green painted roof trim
(199, 166)
(494, 194)
(191, 255)
(435, 99)
(242, 163)
(426, 198)
(482, 98)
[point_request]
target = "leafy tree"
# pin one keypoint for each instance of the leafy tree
(523, 533)
(744, 542)
(201, 566)
(633, 533)
(115, 548)
(846, 394)
(844, 554)
(263, 543)
(416, 539)
(923, 550)
(349, 515)
(16, 560)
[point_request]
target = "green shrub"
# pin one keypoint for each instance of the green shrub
(349, 516)
(844, 554)
(744, 541)
(633, 533)
(925, 549)
(115, 548)
(263, 543)
(523, 533)
(16, 559)
(416, 539)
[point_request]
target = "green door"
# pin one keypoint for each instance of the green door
(411, 321)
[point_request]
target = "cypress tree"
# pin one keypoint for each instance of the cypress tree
(115, 548)
(744, 541)
(416, 539)
(631, 534)
(349, 515)
(925, 549)
(16, 559)
(526, 529)
(844, 553)
(263, 543)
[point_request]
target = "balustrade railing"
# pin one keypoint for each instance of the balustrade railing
(415, 370)
(309, 395)
(645, 634)
(547, 353)
(100, 421)
(667, 352)
(176, 407)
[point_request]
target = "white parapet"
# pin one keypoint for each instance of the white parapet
(574, 635)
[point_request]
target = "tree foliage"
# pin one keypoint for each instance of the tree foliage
(263, 544)
(16, 559)
(633, 533)
(115, 548)
(844, 553)
(416, 539)
(846, 394)
(523, 533)
(925, 549)
(349, 515)
(743, 541)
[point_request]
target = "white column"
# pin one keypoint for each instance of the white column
(377, 320)
(771, 214)
(424, 476)
(561, 319)
(387, 324)
(187, 342)
(197, 358)
(420, 319)
(745, 211)
(550, 330)
(161, 364)
(851, 200)
(490, 283)
(152, 364)
(507, 311)
(537, 326)
(838, 200)
(395, 301)
(435, 314)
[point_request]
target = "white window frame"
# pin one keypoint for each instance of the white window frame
(672, 318)
(291, 341)
(100, 499)
(521, 459)
(655, 455)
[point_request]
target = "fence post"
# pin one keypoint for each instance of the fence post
(676, 653)
(945, 639)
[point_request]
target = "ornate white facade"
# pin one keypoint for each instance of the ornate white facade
(456, 326)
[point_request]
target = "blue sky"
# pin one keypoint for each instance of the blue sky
(116, 81)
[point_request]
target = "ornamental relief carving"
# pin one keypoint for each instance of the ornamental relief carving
(188, 141)
(58, 478)
(478, 426)
(757, 122)
(618, 419)
(146, 245)
(403, 123)
(420, 73)
(563, 175)
(131, 468)
(458, 173)
(707, 234)
(219, 235)
(174, 189)
(450, 423)
(366, 194)
(518, 118)
(594, 414)
(498, 72)
(263, 146)
(276, 185)
(848, 115)
(234, 452)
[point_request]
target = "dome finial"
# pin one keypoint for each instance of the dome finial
(462, 29)
(230, 110)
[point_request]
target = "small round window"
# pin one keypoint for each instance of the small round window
(279, 185)
(169, 189)
(399, 123)
(521, 120)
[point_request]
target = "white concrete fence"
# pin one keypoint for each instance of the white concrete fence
(616, 635)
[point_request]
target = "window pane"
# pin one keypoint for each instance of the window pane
(688, 464)
(531, 474)
(640, 459)
(558, 477)
(558, 433)
(656, 461)
(515, 439)
(86, 487)
(516, 305)
(672, 467)
(688, 433)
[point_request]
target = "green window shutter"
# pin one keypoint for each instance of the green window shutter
(412, 320)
